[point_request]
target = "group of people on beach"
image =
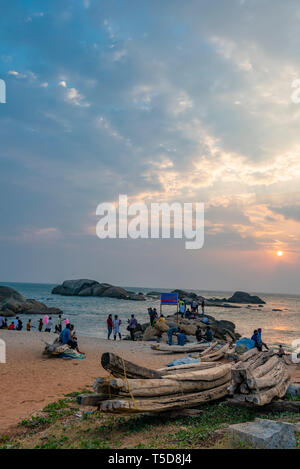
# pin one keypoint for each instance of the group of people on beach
(192, 313)
(17, 324)
(114, 326)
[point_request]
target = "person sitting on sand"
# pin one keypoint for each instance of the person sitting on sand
(262, 344)
(67, 338)
(5, 326)
(109, 322)
(208, 334)
(161, 319)
(28, 325)
(116, 326)
(11, 327)
(199, 336)
(188, 313)
(181, 338)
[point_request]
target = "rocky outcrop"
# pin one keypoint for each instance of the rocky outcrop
(86, 287)
(244, 298)
(222, 330)
(13, 303)
(182, 294)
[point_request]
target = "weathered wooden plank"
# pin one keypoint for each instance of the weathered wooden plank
(118, 367)
(163, 403)
(164, 387)
(210, 374)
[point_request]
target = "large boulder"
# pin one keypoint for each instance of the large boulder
(151, 333)
(185, 294)
(12, 303)
(115, 292)
(86, 287)
(73, 287)
(263, 434)
(245, 298)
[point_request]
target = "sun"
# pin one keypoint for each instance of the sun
(279, 253)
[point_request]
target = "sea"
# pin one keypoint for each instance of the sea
(88, 314)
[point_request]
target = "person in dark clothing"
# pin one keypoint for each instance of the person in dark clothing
(208, 334)
(262, 344)
(40, 326)
(256, 341)
(170, 332)
(199, 336)
(151, 315)
(109, 323)
(20, 325)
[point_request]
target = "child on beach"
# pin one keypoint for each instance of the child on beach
(116, 326)
(28, 325)
(11, 327)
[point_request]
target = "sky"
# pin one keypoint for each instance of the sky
(164, 101)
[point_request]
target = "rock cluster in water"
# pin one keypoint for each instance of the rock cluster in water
(12, 303)
(86, 287)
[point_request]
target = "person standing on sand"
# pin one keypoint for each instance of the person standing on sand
(202, 306)
(49, 325)
(132, 326)
(116, 326)
(28, 325)
(20, 325)
(58, 325)
(109, 323)
(40, 326)
(16, 322)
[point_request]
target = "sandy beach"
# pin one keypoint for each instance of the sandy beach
(29, 381)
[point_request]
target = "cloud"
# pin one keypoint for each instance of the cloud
(189, 106)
